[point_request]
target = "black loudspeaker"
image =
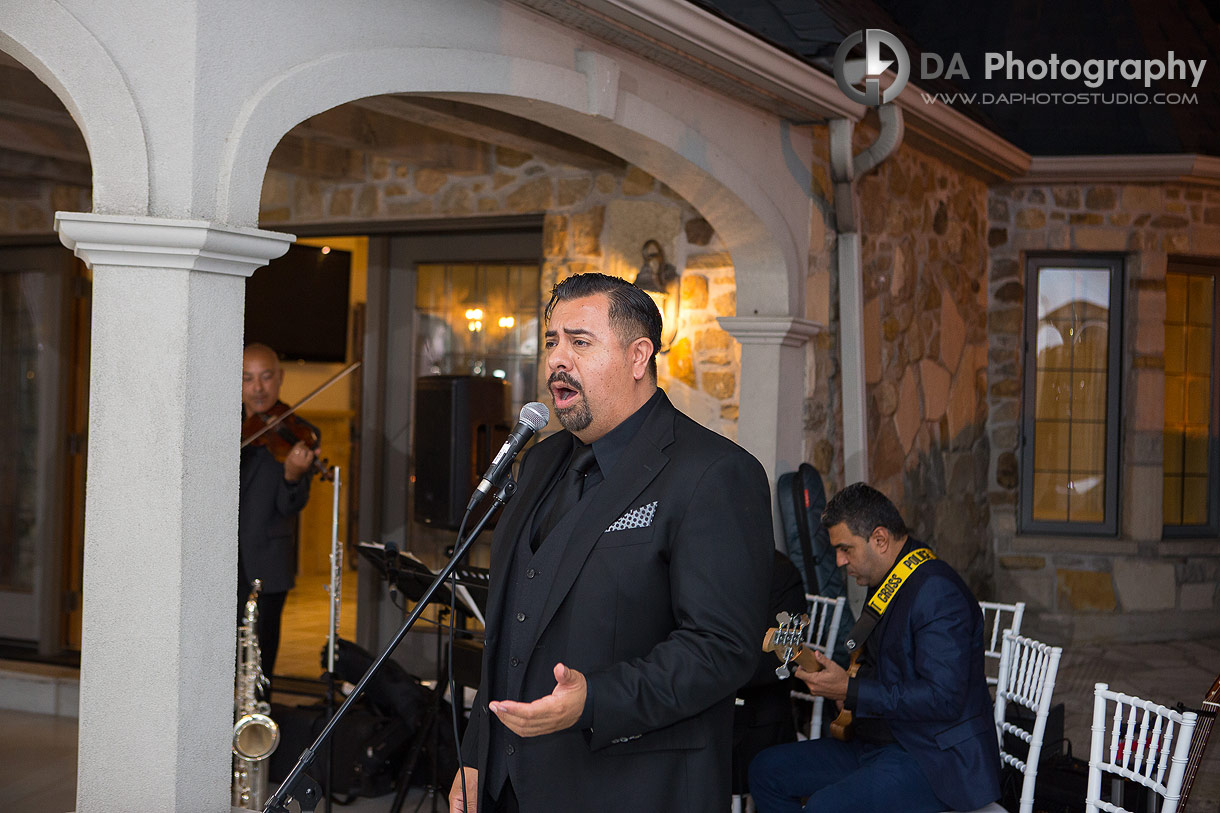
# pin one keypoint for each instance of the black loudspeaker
(461, 421)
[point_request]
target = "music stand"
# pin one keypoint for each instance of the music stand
(404, 571)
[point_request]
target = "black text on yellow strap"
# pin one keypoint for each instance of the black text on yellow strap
(903, 569)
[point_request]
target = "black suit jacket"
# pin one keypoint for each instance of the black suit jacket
(266, 520)
(663, 620)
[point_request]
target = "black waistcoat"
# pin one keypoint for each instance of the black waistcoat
(528, 585)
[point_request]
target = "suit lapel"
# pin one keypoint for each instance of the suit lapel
(639, 465)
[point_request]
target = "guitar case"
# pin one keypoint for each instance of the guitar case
(802, 498)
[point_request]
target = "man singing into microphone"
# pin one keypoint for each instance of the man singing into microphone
(629, 586)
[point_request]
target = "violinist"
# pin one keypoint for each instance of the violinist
(273, 488)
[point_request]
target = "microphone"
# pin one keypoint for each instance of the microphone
(533, 417)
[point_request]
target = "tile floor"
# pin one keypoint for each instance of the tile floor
(38, 753)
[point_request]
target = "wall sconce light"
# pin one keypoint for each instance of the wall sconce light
(662, 282)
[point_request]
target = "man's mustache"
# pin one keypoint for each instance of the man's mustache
(563, 378)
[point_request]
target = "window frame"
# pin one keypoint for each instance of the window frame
(1200, 267)
(1115, 264)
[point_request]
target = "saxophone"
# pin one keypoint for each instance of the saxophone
(255, 734)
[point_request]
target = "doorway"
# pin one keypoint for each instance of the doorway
(43, 384)
(405, 280)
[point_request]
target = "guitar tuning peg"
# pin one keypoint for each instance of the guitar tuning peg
(783, 618)
(783, 672)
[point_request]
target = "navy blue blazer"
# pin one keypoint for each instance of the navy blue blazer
(930, 687)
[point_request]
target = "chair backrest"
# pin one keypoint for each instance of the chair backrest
(1027, 678)
(825, 614)
(997, 618)
(1148, 744)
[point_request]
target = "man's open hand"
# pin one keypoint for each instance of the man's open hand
(558, 710)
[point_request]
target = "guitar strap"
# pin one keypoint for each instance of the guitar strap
(884, 597)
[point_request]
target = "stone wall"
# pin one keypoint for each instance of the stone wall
(1136, 585)
(923, 226)
(594, 220)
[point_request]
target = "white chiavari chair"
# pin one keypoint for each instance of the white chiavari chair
(1148, 744)
(997, 619)
(825, 613)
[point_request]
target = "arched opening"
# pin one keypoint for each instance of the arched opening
(762, 236)
(44, 167)
(409, 185)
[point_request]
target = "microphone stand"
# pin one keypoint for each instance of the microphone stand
(308, 795)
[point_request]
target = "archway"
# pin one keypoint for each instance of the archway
(70, 60)
(766, 240)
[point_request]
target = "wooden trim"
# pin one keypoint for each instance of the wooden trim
(447, 225)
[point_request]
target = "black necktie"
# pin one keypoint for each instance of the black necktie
(567, 491)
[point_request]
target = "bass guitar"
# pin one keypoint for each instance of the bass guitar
(840, 727)
(787, 641)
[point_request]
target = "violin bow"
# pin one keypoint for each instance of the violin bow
(271, 424)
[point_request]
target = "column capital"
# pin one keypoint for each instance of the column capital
(160, 242)
(789, 331)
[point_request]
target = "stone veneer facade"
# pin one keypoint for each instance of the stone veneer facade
(923, 226)
(593, 221)
(1136, 585)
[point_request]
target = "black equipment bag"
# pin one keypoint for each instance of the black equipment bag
(802, 498)
(1062, 784)
(368, 748)
(395, 692)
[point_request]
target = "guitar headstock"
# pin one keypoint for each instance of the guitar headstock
(787, 641)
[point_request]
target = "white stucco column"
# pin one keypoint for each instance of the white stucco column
(769, 423)
(160, 575)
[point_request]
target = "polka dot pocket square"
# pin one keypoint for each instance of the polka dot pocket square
(635, 518)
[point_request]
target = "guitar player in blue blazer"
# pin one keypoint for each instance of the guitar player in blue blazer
(921, 737)
(629, 583)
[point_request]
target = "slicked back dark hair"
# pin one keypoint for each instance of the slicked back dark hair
(632, 312)
(863, 508)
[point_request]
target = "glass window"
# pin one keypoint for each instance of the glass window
(1189, 500)
(480, 319)
(1070, 408)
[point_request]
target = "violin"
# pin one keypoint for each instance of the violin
(279, 431)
